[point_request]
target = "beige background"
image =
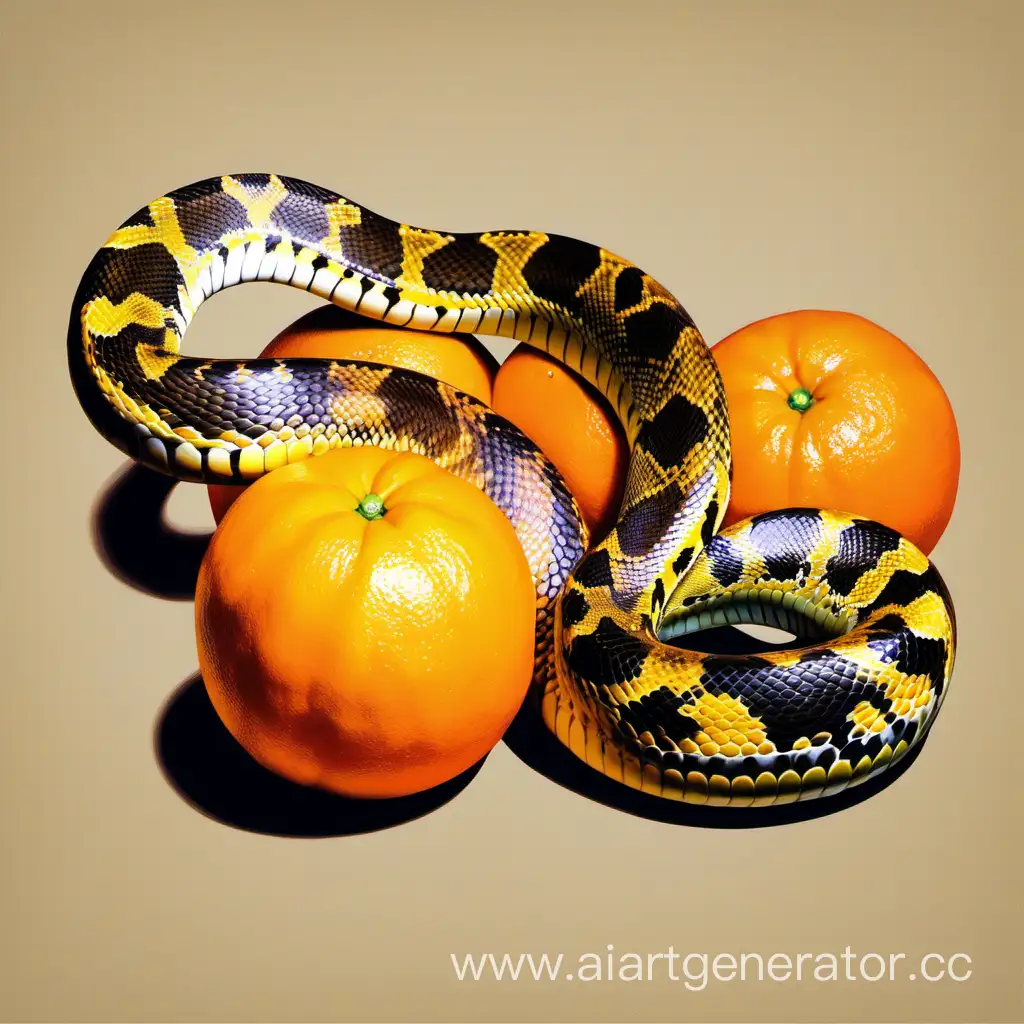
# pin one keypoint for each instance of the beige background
(755, 157)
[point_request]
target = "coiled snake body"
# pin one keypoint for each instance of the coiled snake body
(872, 611)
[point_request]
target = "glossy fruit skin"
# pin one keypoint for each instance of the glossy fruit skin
(372, 658)
(334, 333)
(574, 426)
(877, 438)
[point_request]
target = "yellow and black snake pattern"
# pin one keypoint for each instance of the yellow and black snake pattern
(875, 619)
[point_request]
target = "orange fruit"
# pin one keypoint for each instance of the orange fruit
(573, 424)
(331, 332)
(365, 622)
(829, 410)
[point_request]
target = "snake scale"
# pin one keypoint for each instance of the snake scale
(873, 617)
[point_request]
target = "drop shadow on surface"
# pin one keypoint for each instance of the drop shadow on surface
(212, 772)
(135, 541)
(531, 741)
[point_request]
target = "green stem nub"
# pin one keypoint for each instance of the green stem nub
(371, 507)
(801, 400)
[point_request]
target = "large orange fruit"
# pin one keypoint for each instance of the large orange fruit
(365, 622)
(829, 410)
(573, 425)
(330, 332)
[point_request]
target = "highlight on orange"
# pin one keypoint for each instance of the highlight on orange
(330, 332)
(573, 424)
(830, 410)
(365, 622)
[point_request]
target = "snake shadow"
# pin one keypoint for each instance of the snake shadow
(531, 741)
(199, 758)
(137, 545)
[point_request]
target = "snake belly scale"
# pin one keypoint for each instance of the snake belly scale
(873, 616)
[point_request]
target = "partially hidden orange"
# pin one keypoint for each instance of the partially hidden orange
(365, 622)
(330, 332)
(830, 410)
(573, 424)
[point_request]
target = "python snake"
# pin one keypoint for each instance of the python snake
(874, 617)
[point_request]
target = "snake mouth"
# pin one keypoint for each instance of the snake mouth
(802, 615)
